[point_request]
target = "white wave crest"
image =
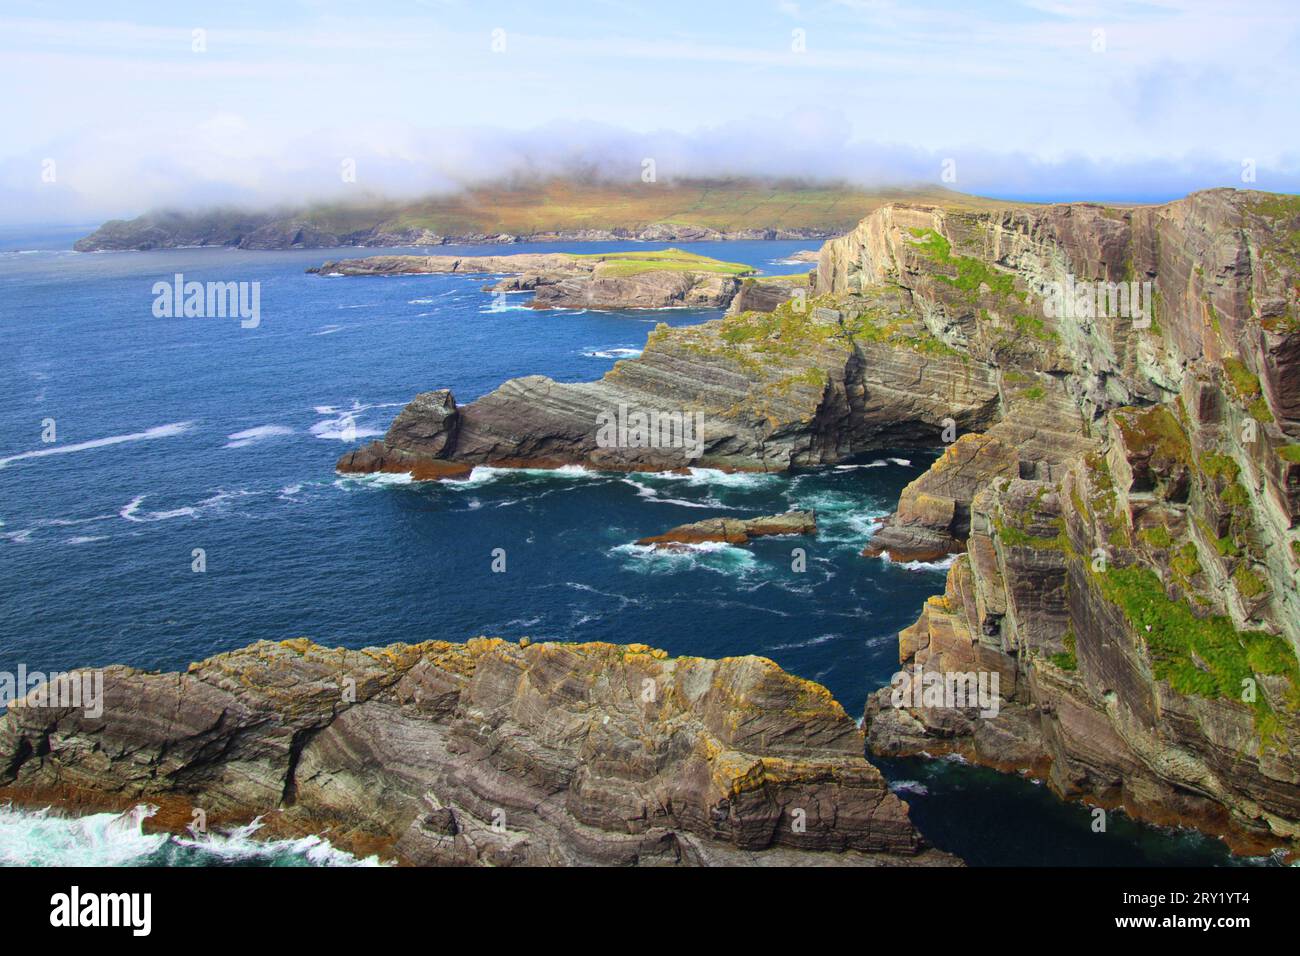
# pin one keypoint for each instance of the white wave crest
(941, 565)
(613, 353)
(378, 479)
(250, 435)
(652, 495)
(131, 510)
(909, 786)
(484, 474)
(161, 431)
(716, 556)
(45, 838)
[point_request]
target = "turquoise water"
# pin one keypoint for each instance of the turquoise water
(177, 434)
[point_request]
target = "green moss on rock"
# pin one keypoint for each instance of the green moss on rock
(1202, 656)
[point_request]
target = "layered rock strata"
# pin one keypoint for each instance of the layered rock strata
(1120, 390)
(735, 530)
(1135, 585)
(479, 753)
(812, 382)
(933, 515)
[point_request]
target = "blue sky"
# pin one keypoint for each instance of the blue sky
(1037, 98)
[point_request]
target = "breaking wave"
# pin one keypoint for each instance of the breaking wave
(710, 556)
(161, 431)
(45, 838)
(250, 435)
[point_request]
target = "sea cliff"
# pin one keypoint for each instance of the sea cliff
(1117, 391)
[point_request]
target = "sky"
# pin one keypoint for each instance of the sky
(114, 109)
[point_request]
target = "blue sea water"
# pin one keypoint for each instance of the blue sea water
(176, 434)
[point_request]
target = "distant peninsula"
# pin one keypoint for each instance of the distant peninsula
(663, 279)
(542, 210)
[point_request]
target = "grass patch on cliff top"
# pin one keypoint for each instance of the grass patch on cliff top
(789, 329)
(666, 260)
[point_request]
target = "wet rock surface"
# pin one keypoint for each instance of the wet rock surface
(735, 530)
(485, 752)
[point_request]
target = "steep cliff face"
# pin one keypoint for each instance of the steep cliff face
(480, 753)
(1135, 585)
(1120, 389)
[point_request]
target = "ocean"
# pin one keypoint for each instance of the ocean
(177, 434)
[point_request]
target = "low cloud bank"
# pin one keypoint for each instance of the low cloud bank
(222, 161)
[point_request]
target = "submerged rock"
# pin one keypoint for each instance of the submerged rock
(485, 752)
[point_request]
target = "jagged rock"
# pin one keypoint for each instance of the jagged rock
(480, 753)
(426, 428)
(933, 516)
(735, 530)
(1144, 563)
(650, 290)
(1131, 563)
(765, 293)
(819, 390)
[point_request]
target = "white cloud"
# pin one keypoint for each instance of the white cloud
(1014, 92)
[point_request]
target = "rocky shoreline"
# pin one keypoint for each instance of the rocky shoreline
(661, 279)
(482, 753)
(1118, 395)
(1118, 391)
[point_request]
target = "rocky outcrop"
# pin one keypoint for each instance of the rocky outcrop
(933, 516)
(653, 280)
(522, 263)
(479, 753)
(807, 384)
(735, 530)
(646, 290)
(1123, 388)
(766, 293)
(1134, 587)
